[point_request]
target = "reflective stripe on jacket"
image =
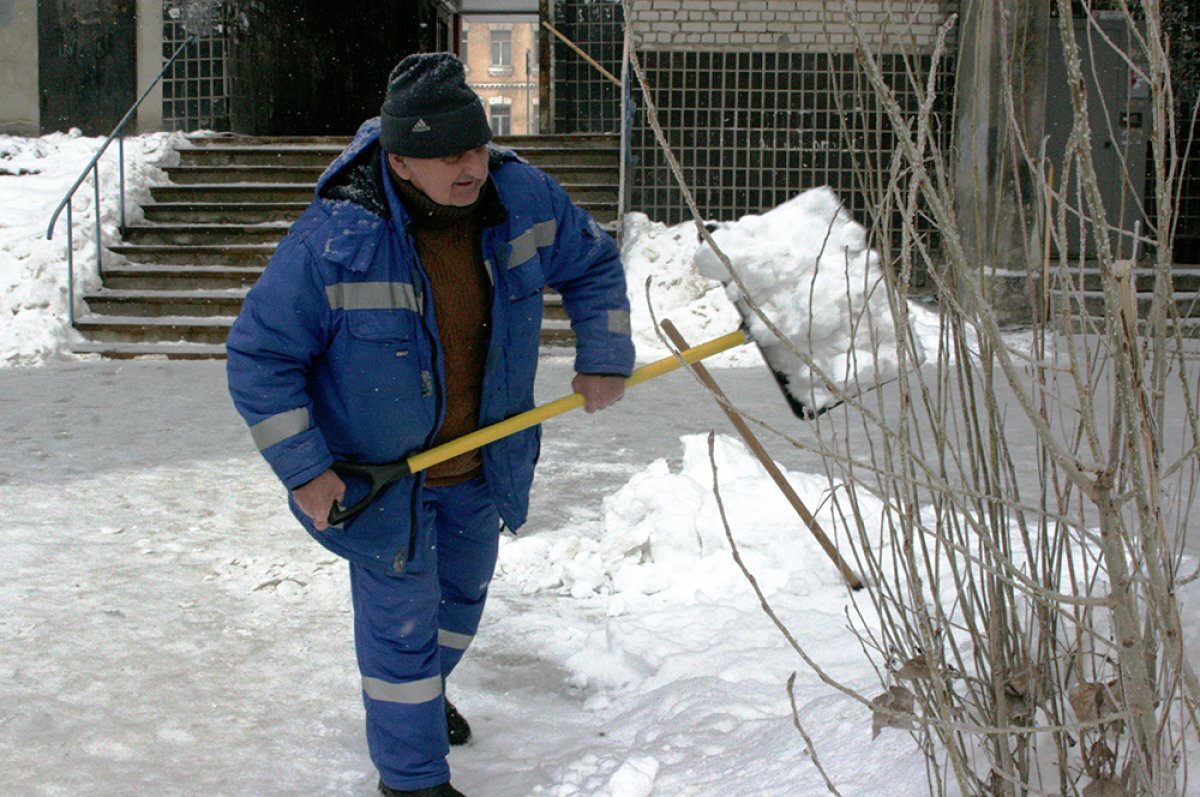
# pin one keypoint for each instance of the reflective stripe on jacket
(335, 353)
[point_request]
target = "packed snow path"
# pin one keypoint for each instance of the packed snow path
(170, 630)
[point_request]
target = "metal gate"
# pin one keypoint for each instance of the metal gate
(1118, 122)
(585, 101)
(196, 87)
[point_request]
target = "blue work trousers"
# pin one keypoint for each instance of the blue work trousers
(412, 629)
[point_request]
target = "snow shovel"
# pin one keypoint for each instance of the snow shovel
(380, 476)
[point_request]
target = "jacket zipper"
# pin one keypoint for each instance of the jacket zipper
(434, 388)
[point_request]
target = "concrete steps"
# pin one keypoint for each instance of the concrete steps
(224, 212)
(200, 234)
(180, 275)
(140, 329)
(145, 278)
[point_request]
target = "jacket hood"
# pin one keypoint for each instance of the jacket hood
(353, 194)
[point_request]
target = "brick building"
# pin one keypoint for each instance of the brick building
(502, 60)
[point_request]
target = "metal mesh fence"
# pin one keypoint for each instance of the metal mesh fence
(751, 130)
(584, 100)
(195, 88)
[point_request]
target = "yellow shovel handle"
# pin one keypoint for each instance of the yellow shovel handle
(489, 434)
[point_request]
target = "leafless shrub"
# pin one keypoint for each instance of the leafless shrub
(1021, 603)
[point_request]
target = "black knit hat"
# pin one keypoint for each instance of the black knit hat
(429, 110)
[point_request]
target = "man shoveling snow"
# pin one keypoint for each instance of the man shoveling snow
(404, 309)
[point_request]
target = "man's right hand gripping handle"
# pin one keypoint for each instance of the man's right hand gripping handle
(316, 498)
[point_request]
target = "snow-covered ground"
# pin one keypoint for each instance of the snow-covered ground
(169, 629)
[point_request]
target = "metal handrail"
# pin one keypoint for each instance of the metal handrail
(94, 167)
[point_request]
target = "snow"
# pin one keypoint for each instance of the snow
(169, 629)
(35, 175)
(167, 622)
(807, 266)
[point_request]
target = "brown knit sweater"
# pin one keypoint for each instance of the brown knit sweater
(448, 243)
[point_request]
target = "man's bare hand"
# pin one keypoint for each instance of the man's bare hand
(598, 391)
(316, 498)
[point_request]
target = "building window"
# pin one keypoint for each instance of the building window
(501, 113)
(502, 48)
(464, 48)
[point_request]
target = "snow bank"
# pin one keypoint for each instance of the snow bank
(681, 659)
(807, 265)
(662, 532)
(35, 175)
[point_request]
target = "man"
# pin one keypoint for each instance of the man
(402, 310)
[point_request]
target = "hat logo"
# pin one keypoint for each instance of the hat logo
(420, 127)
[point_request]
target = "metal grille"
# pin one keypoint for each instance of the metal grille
(753, 129)
(584, 100)
(195, 89)
(1187, 230)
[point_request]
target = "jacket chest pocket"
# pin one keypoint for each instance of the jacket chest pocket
(381, 359)
(525, 280)
(524, 286)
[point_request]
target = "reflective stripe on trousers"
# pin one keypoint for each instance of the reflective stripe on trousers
(411, 631)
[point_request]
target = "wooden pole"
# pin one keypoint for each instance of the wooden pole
(768, 463)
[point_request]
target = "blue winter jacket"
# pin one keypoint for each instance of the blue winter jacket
(335, 354)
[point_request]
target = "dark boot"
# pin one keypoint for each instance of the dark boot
(445, 790)
(456, 726)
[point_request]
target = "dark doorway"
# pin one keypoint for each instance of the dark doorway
(312, 67)
(87, 63)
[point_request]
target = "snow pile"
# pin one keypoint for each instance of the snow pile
(35, 175)
(696, 305)
(807, 265)
(663, 532)
(682, 660)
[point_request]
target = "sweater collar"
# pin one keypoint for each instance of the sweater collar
(427, 214)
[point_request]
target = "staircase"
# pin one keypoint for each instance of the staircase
(181, 275)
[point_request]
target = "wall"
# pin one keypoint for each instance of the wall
(149, 63)
(782, 24)
(18, 67)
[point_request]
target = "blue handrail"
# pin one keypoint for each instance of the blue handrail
(94, 167)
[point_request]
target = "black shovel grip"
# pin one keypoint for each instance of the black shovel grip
(378, 476)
